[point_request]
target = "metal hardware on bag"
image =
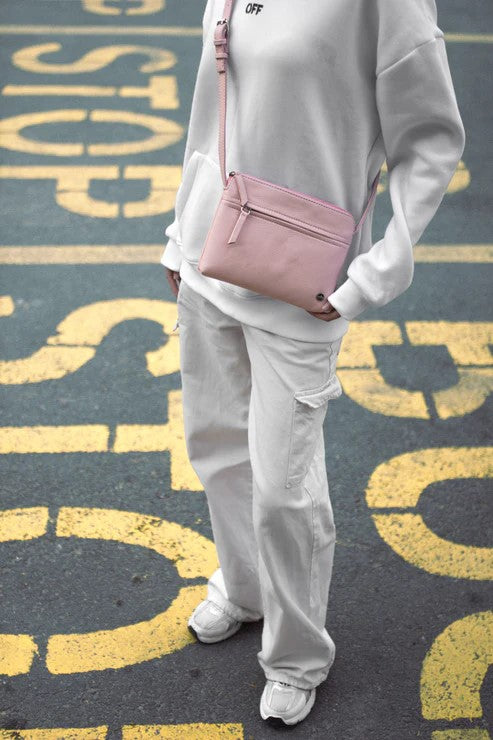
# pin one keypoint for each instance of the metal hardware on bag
(224, 21)
(221, 47)
(320, 296)
(244, 212)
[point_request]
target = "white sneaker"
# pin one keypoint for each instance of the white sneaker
(209, 623)
(283, 703)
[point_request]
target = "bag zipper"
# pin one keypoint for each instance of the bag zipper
(332, 206)
(245, 212)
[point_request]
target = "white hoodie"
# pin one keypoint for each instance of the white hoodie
(319, 95)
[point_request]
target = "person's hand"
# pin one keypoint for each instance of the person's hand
(173, 278)
(329, 313)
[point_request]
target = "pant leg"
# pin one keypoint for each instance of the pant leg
(216, 388)
(292, 384)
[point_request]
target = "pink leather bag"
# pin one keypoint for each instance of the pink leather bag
(270, 239)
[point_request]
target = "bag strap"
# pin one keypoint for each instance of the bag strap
(221, 43)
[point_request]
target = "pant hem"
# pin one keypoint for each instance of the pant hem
(234, 611)
(286, 678)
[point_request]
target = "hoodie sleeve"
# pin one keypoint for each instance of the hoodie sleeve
(171, 257)
(424, 139)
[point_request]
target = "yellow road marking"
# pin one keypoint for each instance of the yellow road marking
(53, 30)
(23, 524)
(151, 254)
(17, 651)
(92, 91)
(54, 439)
(62, 733)
(469, 38)
(147, 7)
(368, 388)
(193, 555)
(89, 438)
(467, 342)
(164, 132)
(101, 30)
(481, 253)
(162, 92)
(192, 731)
(82, 331)
(88, 254)
(462, 734)
(73, 183)
(90, 324)
(455, 667)
(196, 731)
(72, 186)
(399, 483)
(7, 306)
(467, 395)
(410, 537)
(28, 58)
(47, 363)
(16, 654)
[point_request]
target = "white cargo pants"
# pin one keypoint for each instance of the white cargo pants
(254, 404)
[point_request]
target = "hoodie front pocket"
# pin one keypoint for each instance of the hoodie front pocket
(308, 414)
(196, 203)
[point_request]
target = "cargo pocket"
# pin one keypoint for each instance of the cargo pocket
(197, 202)
(308, 414)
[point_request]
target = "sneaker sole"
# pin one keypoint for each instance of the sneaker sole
(216, 638)
(275, 721)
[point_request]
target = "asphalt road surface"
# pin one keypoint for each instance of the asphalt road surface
(106, 542)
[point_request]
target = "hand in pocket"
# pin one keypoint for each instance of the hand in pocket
(329, 314)
(173, 278)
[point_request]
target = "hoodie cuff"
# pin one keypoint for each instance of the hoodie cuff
(348, 300)
(171, 256)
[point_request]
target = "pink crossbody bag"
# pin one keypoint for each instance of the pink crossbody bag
(270, 239)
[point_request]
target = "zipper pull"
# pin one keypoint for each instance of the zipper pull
(239, 224)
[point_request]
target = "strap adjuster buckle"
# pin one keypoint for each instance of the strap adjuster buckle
(224, 22)
(221, 21)
(221, 37)
(221, 43)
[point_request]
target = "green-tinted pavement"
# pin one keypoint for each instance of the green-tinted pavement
(95, 486)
